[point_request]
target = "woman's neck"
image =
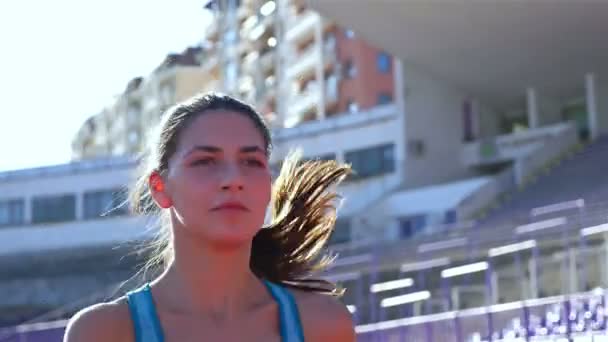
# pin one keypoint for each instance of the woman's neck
(206, 281)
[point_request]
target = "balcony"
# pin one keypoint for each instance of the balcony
(267, 60)
(256, 30)
(253, 61)
(510, 147)
(300, 105)
(304, 64)
(211, 33)
(303, 26)
(211, 61)
(309, 99)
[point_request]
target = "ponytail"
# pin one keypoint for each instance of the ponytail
(290, 250)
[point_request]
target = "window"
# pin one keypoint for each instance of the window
(11, 212)
(350, 69)
(104, 203)
(384, 98)
(383, 62)
(50, 209)
(411, 226)
(353, 107)
(326, 156)
(371, 161)
(276, 168)
(451, 217)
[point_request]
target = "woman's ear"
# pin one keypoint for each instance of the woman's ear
(158, 190)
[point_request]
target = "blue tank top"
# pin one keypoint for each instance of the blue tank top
(148, 329)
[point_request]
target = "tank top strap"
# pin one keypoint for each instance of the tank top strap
(146, 324)
(289, 317)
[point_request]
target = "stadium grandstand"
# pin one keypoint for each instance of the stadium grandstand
(479, 207)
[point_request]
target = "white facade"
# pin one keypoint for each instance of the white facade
(61, 207)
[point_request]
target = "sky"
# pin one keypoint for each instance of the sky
(62, 61)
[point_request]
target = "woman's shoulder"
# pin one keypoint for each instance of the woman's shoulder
(324, 317)
(109, 321)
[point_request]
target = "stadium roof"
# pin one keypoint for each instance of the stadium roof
(491, 49)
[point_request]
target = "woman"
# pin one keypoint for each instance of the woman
(226, 276)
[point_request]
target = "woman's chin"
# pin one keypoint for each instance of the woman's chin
(231, 237)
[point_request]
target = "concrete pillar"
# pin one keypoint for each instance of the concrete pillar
(320, 72)
(495, 289)
(572, 271)
(591, 104)
(399, 88)
(400, 99)
(79, 206)
(27, 209)
(533, 270)
(532, 108)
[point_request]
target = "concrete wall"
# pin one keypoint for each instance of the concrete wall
(489, 120)
(550, 110)
(190, 81)
(368, 82)
(341, 134)
(602, 105)
(433, 116)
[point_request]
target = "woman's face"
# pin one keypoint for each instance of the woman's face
(219, 182)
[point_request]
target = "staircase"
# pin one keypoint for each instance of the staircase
(582, 175)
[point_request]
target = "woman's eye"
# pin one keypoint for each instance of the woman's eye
(203, 161)
(254, 162)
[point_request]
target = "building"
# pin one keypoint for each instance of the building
(288, 60)
(120, 129)
(473, 118)
(294, 64)
(64, 233)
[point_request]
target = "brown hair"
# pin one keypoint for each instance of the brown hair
(290, 249)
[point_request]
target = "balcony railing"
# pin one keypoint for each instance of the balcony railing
(511, 146)
(307, 60)
(303, 26)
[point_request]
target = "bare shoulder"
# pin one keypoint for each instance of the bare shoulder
(101, 322)
(324, 317)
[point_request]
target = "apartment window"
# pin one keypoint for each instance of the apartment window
(48, 209)
(372, 161)
(383, 62)
(330, 42)
(384, 98)
(411, 226)
(353, 107)
(350, 69)
(325, 156)
(104, 203)
(11, 212)
(451, 217)
(350, 34)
